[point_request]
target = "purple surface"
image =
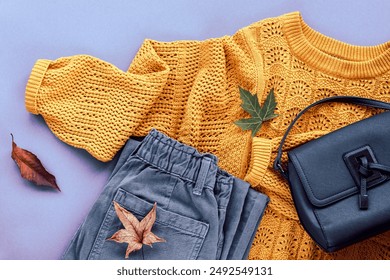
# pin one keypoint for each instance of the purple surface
(38, 224)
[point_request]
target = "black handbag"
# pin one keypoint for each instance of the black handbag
(340, 182)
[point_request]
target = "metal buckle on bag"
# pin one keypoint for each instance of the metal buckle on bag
(353, 162)
(279, 167)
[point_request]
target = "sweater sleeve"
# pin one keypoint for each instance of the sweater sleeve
(91, 104)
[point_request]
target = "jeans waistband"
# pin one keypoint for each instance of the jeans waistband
(181, 160)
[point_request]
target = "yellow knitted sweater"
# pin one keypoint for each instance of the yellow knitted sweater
(189, 90)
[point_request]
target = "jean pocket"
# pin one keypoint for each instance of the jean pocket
(184, 236)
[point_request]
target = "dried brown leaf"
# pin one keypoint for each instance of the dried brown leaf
(135, 232)
(31, 167)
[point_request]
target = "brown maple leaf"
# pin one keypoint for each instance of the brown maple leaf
(135, 232)
(31, 167)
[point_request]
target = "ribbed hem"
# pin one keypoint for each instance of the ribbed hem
(332, 56)
(33, 84)
(260, 159)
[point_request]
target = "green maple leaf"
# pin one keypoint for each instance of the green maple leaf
(259, 114)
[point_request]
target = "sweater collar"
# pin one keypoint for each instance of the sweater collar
(332, 56)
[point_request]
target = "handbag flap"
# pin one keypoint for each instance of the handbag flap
(320, 163)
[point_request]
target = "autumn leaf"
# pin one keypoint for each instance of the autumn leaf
(259, 114)
(31, 167)
(135, 233)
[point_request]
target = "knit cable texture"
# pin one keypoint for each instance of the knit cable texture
(189, 90)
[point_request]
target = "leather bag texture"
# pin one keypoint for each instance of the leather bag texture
(340, 182)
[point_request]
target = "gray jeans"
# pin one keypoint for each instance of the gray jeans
(202, 211)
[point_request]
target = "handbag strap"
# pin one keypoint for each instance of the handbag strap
(340, 99)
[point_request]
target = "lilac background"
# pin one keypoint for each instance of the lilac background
(37, 223)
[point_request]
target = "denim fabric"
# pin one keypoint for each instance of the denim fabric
(202, 211)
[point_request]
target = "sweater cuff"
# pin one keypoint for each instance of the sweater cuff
(260, 159)
(34, 83)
